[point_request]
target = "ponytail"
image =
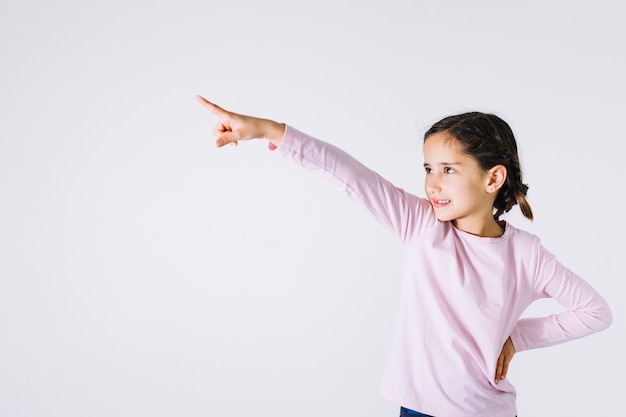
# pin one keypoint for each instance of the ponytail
(524, 206)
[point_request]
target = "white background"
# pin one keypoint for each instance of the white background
(143, 272)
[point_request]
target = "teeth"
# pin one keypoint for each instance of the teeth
(443, 201)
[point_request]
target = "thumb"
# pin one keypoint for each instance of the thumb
(227, 138)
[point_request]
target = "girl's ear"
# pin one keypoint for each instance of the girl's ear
(496, 177)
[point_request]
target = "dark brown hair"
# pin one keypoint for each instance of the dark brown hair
(490, 141)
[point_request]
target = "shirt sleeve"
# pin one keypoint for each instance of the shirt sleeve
(392, 206)
(586, 311)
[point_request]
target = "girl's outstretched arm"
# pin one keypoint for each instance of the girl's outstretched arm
(233, 127)
(392, 206)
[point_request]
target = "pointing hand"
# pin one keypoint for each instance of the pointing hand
(233, 127)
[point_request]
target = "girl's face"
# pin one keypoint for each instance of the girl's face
(456, 186)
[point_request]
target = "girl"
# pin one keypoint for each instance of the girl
(468, 275)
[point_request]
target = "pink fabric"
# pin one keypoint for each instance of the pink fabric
(463, 295)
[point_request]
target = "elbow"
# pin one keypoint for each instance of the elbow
(603, 317)
(597, 317)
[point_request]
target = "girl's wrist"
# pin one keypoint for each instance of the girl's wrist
(274, 132)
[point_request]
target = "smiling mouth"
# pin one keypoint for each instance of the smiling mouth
(440, 203)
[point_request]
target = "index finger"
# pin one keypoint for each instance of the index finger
(214, 108)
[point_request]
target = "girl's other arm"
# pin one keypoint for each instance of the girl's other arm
(586, 312)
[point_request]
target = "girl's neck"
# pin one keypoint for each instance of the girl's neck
(488, 228)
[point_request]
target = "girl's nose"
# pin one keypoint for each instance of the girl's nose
(432, 186)
(432, 192)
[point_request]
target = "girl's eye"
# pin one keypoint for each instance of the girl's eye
(428, 170)
(449, 170)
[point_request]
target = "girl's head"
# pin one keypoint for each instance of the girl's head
(489, 141)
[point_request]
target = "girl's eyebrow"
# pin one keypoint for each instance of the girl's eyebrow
(443, 163)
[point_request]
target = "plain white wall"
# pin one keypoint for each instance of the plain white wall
(144, 272)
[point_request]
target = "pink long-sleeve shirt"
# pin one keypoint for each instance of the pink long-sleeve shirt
(463, 295)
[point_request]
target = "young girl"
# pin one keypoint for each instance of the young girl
(468, 275)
